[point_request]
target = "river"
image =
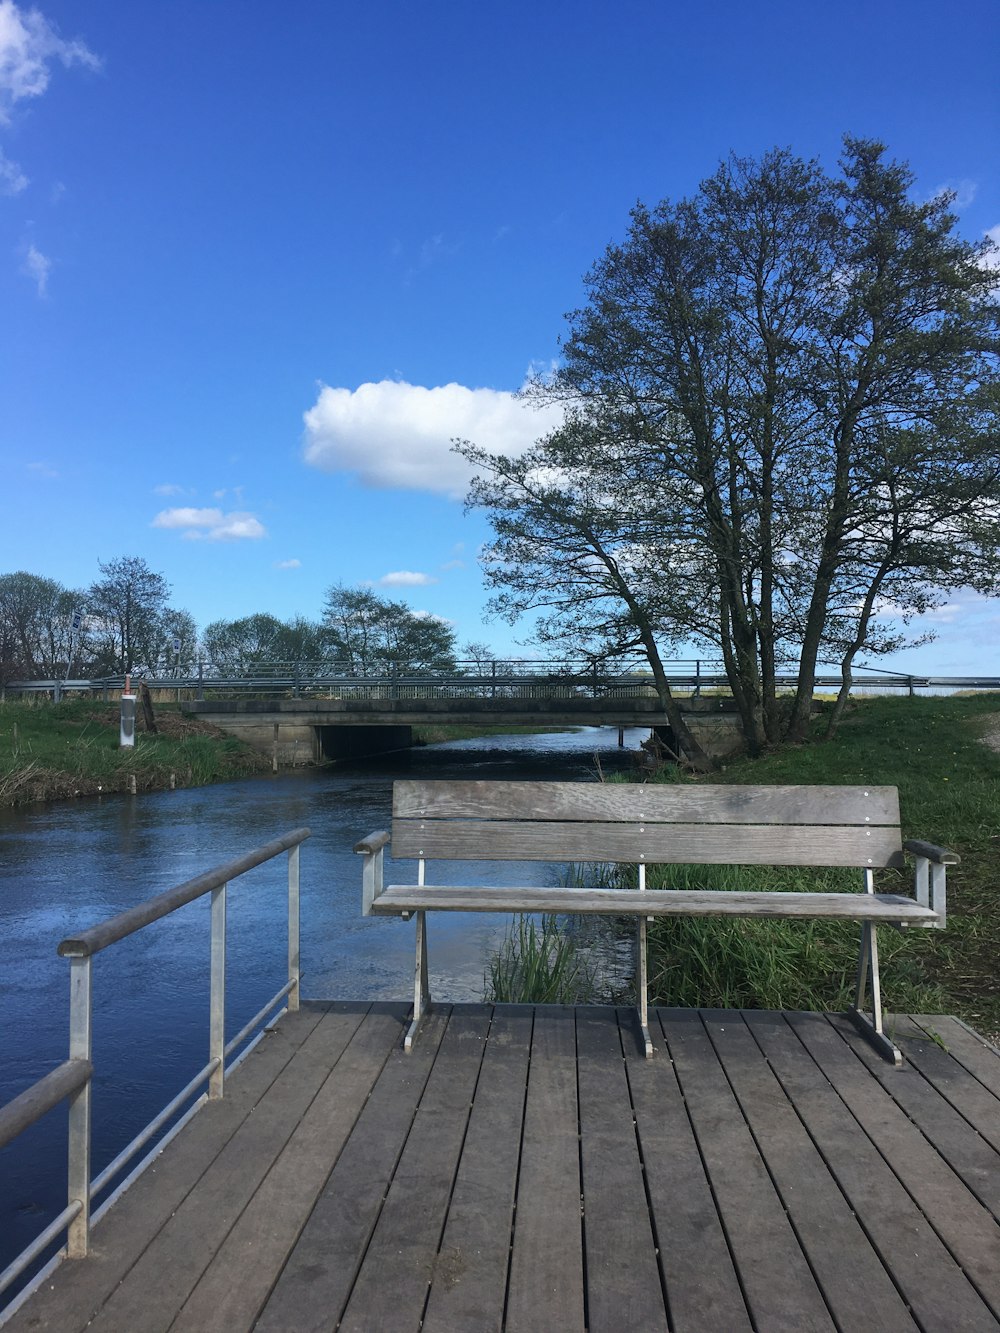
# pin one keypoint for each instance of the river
(66, 866)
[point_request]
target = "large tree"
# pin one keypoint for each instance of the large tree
(127, 612)
(789, 386)
(375, 636)
(238, 645)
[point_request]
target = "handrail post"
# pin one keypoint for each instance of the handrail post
(78, 1232)
(293, 928)
(217, 1019)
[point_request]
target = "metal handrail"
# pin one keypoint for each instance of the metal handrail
(72, 1079)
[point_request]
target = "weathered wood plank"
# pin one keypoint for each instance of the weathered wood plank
(392, 1285)
(975, 1102)
(316, 1282)
(624, 1287)
(828, 1231)
(651, 902)
(71, 1302)
(656, 844)
(964, 1226)
(966, 1152)
(703, 1290)
(928, 1277)
(968, 1048)
(781, 1291)
(545, 1290)
(469, 1280)
(235, 1285)
(161, 1279)
(414, 799)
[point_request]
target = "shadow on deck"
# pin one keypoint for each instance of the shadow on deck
(528, 1169)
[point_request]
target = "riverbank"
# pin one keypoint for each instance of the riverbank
(60, 751)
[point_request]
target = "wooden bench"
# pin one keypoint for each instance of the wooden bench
(656, 825)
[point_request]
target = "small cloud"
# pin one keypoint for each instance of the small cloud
(219, 495)
(211, 524)
(37, 267)
(43, 470)
(501, 232)
(406, 578)
(12, 178)
(29, 45)
(56, 192)
(453, 564)
(288, 564)
(168, 488)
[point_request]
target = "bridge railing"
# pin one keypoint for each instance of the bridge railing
(72, 1080)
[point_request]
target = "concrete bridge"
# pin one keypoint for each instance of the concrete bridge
(317, 730)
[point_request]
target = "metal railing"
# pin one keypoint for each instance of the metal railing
(72, 1080)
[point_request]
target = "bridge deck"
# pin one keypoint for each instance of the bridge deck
(528, 1169)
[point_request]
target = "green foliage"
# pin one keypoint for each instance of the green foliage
(72, 749)
(537, 965)
(375, 636)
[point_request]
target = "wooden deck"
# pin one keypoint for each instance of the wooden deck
(527, 1169)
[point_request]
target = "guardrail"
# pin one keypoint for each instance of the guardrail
(494, 679)
(73, 1078)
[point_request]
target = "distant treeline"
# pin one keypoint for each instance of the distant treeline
(124, 622)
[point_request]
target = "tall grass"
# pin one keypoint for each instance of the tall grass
(538, 964)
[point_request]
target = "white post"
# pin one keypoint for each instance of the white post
(217, 1019)
(293, 928)
(78, 1232)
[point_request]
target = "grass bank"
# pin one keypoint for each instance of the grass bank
(933, 750)
(56, 751)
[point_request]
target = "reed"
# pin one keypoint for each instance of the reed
(537, 964)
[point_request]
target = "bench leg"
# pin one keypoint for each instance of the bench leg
(642, 986)
(871, 1028)
(421, 984)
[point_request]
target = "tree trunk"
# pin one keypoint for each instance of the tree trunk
(147, 708)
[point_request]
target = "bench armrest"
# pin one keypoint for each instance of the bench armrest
(931, 870)
(373, 843)
(939, 855)
(372, 849)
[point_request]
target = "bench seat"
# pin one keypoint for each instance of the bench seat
(404, 899)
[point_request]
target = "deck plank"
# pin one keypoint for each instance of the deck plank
(968, 1048)
(703, 1289)
(922, 1265)
(780, 1289)
(624, 1287)
(961, 1147)
(159, 1282)
(470, 1272)
(235, 1285)
(545, 1289)
(973, 1101)
(119, 1239)
(828, 1231)
(392, 1287)
(316, 1281)
(963, 1224)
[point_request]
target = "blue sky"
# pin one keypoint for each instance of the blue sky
(259, 263)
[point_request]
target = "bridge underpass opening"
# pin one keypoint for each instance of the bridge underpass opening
(356, 742)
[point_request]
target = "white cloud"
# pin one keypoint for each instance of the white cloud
(406, 578)
(169, 488)
(992, 258)
(37, 267)
(211, 524)
(12, 178)
(964, 190)
(288, 564)
(29, 45)
(395, 434)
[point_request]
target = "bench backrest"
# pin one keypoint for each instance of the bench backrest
(646, 823)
